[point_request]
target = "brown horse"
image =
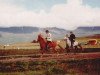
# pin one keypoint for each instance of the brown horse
(52, 45)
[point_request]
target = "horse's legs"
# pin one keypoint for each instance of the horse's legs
(67, 49)
(54, 50)
(81, 48)
(76, 49)
(42, 51)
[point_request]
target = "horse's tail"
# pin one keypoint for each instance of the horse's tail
(59, 45)
(81, 47)
(58, 41)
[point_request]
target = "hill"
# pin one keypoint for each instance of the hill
(28, 33)
(86, 31)
(23, 29)
(28, 29)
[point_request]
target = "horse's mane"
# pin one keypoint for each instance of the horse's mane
(40, 38)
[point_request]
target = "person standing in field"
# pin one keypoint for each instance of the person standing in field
(72, 38)
(48, 38)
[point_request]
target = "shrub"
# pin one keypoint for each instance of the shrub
(23, 66)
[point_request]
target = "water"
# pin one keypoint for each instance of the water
(16, 38)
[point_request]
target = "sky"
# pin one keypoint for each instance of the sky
(67, 14)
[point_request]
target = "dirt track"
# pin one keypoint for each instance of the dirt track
(36, 51)
(47, 57)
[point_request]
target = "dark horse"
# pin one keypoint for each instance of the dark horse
(51, 45)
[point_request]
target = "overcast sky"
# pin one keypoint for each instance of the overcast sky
(67, 14)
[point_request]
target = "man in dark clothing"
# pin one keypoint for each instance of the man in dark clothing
(72, 38)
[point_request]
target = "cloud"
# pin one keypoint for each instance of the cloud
(76, 14)
(68, 16)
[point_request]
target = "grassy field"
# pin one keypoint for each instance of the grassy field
(31, 48)
(51, 68)
(27, 45)
(84, 67)
(24, 73)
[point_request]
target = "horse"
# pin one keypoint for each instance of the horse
(76, 46)
(51, 45)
